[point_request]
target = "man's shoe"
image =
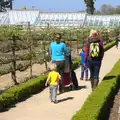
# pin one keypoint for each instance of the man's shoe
(87, 79)
(55, 102)
(81, 78)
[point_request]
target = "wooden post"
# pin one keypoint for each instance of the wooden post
(77, 43)
(45, 58)
(13, 73)
(44, 53)
(70, 42)
(30, 48)
(83, 38)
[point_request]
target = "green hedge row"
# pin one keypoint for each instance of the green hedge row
(109, 45)
(24, 90)
(98, 104)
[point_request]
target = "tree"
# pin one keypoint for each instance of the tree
(5, 4)
(117, 9)
(97, 12)
(90, 6)
(24, 8)
(107, 9)
(103, 9)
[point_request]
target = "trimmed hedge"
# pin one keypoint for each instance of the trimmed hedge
(24, 90)
(109, 45)
(98, 104)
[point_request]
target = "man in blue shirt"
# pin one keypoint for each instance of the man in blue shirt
(84, 69)
(57, 51)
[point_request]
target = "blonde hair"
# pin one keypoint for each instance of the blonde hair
(93, 32)
(52, 66)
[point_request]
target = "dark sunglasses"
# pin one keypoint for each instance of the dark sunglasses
(57, 37)
(95, 34)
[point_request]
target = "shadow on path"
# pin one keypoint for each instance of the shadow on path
(108, 77)
(69, 89)
(65, 99)
(81, 87)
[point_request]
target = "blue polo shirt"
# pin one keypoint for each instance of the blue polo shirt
(57, 51)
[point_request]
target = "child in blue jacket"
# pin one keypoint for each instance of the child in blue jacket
(84, 69)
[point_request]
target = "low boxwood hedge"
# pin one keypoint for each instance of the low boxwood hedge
(109, 45)
(97, 105)
(24, 90)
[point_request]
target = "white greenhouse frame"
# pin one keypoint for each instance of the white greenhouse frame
(61, 20)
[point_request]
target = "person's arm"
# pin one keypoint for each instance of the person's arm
(101, 43)
(59, 78)
(66, 49)
(68, 54)
(102, 49)
(117, 39)
(47, 80)
(80, 54)
(86, 51)
(70, 59)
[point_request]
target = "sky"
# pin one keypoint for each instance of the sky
(60, 5)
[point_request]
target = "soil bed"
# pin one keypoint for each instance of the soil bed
(114, 115)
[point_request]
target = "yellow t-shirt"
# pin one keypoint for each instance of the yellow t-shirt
(54, 76)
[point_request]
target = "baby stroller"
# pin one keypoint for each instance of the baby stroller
(67, 81)
(66, 76)
(74, 79)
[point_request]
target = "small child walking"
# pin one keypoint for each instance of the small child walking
(84, 69)
(53, 80)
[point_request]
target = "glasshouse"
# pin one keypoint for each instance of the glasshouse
(41, 19)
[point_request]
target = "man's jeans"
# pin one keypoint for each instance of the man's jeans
(84, 70)
(60, 70)
(116, 45)
(94, 67)
(53, 92)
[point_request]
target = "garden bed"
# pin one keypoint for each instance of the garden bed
(114, 115)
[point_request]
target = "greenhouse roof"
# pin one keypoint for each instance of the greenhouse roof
(41, 19)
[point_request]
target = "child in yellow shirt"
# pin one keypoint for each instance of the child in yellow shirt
(53, 80)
